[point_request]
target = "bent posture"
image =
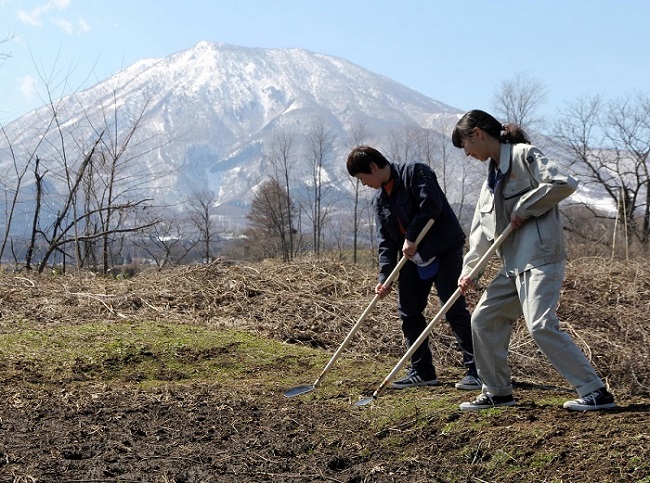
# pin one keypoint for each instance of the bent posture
(522, 187)
(408, 196)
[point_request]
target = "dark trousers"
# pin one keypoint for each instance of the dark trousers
(413, 295)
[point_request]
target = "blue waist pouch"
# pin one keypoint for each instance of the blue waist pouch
(429, 271)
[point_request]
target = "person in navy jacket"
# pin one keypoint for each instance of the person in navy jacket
(408, 196)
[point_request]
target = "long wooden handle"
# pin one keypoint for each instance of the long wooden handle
(372, 304)
(452, 300)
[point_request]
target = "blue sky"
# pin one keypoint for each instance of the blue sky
(457, 52)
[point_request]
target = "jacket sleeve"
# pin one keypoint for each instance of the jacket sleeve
(424, 187)
(388, 250)
(552, 185)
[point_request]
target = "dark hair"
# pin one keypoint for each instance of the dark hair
(360, 158)
(505, 133)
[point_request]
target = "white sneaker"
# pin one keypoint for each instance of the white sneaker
(600, 399)
(413, 380)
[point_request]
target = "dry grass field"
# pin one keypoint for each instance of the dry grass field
(178, 376)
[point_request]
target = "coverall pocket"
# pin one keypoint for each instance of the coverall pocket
(514, 188)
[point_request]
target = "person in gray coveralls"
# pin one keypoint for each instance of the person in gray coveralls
(523, 187)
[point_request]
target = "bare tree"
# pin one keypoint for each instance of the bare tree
(58, 233)
(268, 220)
(427, 144)
(459, 176)
(168, 240)
(92, 167)
(111, 176)
(518, 100)
(357, 136)
(64, 229)
(5, 55)
(320, 145)
(38, 178)
(12, 188)
(281, 157)
(609, 146)
(403, 143)
(627, 126)
(202, 204)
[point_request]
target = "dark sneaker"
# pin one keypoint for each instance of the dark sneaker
(487, 401)
(600, 399)
(414, 380)
(469, 383)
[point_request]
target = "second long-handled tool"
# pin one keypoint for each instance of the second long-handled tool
(305, 388)
(404, 360)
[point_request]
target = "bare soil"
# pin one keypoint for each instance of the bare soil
(85, 428)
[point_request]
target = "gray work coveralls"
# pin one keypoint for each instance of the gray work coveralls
(533, 257)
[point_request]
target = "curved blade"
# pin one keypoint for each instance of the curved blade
(363, 402)
(298, 390)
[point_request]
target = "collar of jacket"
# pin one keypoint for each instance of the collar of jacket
(504, 158)
(395, 176)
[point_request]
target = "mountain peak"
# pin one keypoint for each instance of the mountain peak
(211, 109)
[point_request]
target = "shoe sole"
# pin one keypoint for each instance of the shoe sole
(415, 384)
(583, 408)
(470, 407)
(467, 387)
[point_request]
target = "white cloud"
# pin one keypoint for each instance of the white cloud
(64, 25)
(28, 87)
(29, 18)
(71, 28)
(84, 26)
(36, 16)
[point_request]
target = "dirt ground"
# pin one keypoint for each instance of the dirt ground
(246, 430)
(207, 433)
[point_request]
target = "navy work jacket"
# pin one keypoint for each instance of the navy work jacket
(415, 198)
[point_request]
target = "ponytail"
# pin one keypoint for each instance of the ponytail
(513, 134)
(505, 133)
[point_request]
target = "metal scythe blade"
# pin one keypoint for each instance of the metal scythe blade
(298, 390)
(303, 389)
(365, 401)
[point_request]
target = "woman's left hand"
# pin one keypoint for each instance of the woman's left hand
(516, 221)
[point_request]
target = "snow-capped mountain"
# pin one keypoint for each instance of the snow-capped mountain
(205, 115)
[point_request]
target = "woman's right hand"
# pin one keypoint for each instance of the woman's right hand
(465, 283)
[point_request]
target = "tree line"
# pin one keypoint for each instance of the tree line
(107, 214)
